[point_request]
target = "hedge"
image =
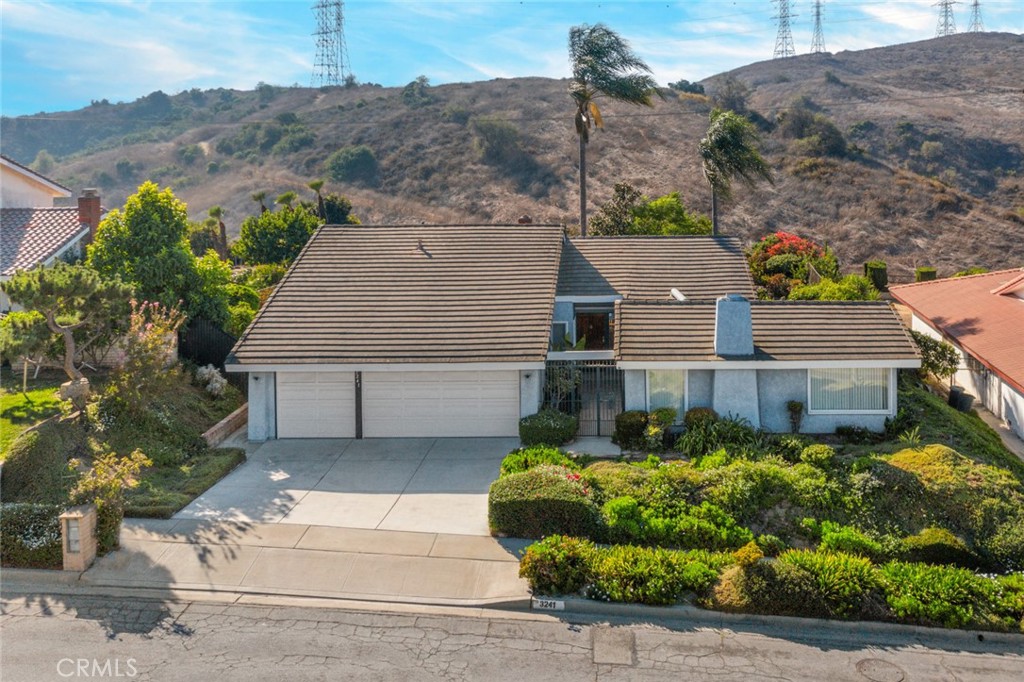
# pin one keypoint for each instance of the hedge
(525, 459)
(630, 427)
(36, 468)
(547, 427)
(30, 535)
(545, 500)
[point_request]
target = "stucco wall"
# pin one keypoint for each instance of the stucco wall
(18, 191)
(530, 394)
(776, 387)
(1013, 409)
(262, 406)
(634, 384)
(735, 393)
(700, 387)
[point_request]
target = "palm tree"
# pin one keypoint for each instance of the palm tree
(603, 65)
(316, 186)
(258, 197)
(729, 150)
(286, 199)
(217, 213)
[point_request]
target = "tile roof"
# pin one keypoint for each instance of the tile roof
(979, 313)
(702, 268)
(30, 236)
(789, 331)
(412, 294)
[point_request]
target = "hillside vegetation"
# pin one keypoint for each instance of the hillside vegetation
(912, 153)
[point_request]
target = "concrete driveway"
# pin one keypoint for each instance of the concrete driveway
(430, 485)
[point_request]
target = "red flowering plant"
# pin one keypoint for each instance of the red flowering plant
(783, 260)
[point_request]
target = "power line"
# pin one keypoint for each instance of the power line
(784, 39)
(947, 22)
(331, 53)
(818, 42)
(976, 25)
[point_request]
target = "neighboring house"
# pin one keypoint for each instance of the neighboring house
(34, 228)
(983, 317)
(455, 331)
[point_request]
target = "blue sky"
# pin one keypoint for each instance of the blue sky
(60, 55)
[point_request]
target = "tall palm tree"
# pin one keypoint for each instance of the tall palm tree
(286, 199)
(603, 65)
(729, 150)
(316, 186)
(217, 213)
(258, 197)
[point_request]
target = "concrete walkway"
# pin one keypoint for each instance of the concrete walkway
(1010, 439)
(302, 560)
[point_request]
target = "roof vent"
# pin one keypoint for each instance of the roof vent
(676, 294)
(422, 249)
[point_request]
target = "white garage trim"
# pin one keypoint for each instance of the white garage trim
(316, 405)
(440, 404)
(386, 367)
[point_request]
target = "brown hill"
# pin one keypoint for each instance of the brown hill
(928, 168)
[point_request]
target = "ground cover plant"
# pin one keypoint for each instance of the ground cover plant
(19, 411)
(884, 528)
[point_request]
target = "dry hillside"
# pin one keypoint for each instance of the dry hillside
(932, 172)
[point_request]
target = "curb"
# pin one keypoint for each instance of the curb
(814, 628)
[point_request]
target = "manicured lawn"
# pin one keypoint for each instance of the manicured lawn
(18, 410)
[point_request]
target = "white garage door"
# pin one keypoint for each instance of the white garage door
(440, 404)
(316, 405)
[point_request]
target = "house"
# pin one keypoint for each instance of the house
(983, 317)
(39, 221)
(461, 330)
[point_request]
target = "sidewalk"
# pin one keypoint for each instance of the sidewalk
(1009, 438)
(304, 561)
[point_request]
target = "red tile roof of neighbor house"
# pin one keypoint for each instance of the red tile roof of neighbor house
(979, 313)
(30, 236)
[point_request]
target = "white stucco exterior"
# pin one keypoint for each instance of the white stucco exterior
(22, 188)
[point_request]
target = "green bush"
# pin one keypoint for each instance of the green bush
(645, 575)
(818, 455)
(545, 500)
(30, 535)
(930, 595)
(1004, 549)
(699, 415)
(843, 580)
(838, 538)
(616, 479)
(877, 272)
(771, 545)
(937, 546)
(925, 274)
(547, 427)
(36, 468)
(663, 416)
(702, 526)
(770, 587)
(624, 520)
(353, 164)
(558, 565)
(524, 459)
(630, 427)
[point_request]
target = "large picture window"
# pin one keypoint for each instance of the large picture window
(849, 389)
(667, 388)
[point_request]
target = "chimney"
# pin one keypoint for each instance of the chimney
(89, 212)
(734, 331)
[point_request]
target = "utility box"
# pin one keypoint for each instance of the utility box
(78, 537)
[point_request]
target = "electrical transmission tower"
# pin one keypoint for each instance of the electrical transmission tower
(976, 25)
(818, 42)
(784, 39)
(331, 65)
(947, 24)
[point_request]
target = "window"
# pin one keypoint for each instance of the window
(596, 327)
(667, 388)
(849, 389)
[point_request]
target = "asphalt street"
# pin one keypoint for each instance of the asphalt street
(93, 637)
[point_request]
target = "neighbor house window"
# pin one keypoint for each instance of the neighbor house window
(849, 389)
(667, 388)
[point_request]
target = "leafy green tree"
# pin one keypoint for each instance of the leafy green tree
(70, 298)
(353, 164)
(217, 213)
(338, 211)
(24, 334)
(731, 94)
(44, 162)
(729, 150)
(615, 217)
(683, 85)
(849, 288)
(258, 197)
(146, 244)
(603, 65)
(631, 213)
(275, 236)
(937, 357)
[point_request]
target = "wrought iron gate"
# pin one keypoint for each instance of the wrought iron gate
(591, 390)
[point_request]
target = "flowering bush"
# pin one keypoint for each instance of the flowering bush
(214, 382)
(783, 258)
(544, 500)
(151, 330)
(30, 535)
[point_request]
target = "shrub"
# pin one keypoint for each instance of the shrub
(30, 535)
(937, 546)
(524, 459)
(630, 427)
(843, 580)
(615, 479)
(771, 545)
(770, 587)
(796, 414)
(748, 555)
(818, 455)
(696, 416)
(937, 357)
(878, 273)
(547, 427)
(557, 565)
(656, 576)
(849, 288)
(623, 519)
(1004, 549)
(838, 538)
(928, 595)
(924, 274)
(545, 500)
(36, 469)
(356, 164)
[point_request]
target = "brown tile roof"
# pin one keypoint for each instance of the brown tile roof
(790, 331)
(970, 310)
(412, 294)
(30, 236)
(702, 268)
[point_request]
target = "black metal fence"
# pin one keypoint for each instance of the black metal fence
(205, 343)
(592, 390)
